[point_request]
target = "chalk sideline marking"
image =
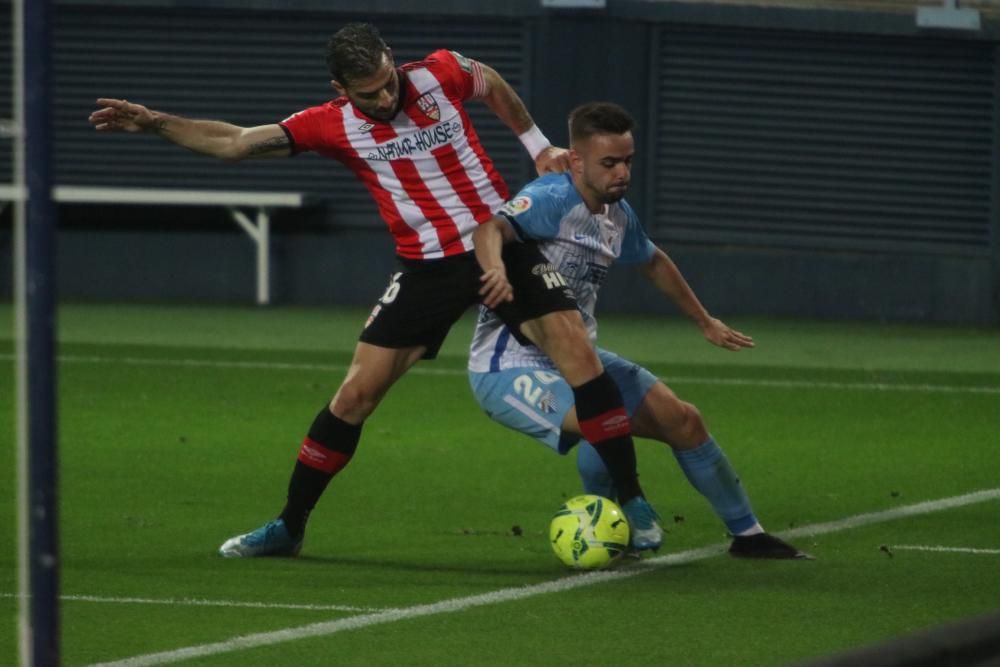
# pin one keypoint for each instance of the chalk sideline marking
(195, 602)
(520, 593)
(960, 550)
(425, 370)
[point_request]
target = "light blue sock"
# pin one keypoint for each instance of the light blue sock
(593, 473)
(710, 472)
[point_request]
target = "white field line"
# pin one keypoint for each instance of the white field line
(429, 370)
(895, 513)
(194, 602)
(570, 582)
(960, 550)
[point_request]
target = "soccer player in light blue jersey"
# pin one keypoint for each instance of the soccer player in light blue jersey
(583, 225)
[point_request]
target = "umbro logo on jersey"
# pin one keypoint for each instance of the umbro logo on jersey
(429, 106)
(367, 127)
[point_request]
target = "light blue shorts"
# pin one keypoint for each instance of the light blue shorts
(535, 401)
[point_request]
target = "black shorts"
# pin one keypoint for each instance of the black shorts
(426, 297)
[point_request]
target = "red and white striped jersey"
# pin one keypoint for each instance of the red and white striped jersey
(429, 175)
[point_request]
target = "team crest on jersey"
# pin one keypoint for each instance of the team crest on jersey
(429, 106)
(367, 127)
(547, 403)
(516, 206)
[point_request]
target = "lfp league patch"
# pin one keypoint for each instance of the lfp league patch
(516, 206)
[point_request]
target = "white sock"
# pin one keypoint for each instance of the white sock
(755, 529)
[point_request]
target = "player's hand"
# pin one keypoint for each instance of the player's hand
(121, 115)
(552, 160)
(496, 289)
(718, 333)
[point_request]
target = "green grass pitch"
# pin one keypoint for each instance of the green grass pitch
(178, 426)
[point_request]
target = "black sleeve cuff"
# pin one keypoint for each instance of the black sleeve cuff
(516, 227)
(291, 139)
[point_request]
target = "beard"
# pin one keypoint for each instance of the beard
(614, 195)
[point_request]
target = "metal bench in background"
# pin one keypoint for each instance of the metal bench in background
(257, 226)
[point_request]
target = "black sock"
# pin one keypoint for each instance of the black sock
(325, 451)
(620, 460)
(605, 424)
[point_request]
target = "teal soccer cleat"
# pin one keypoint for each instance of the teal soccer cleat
(271, 539)
(644, 523)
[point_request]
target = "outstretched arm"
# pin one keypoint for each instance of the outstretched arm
(505, 103)
(664, 274)
(208, 137)
(489, 239)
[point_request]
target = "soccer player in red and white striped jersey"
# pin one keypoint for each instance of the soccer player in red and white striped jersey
(406, 135)
(422, 162)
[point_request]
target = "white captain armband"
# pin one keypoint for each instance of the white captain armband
(534, 141)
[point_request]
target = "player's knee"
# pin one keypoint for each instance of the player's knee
(354, 402)
(689, 431)
(563, 337)
(692, 431)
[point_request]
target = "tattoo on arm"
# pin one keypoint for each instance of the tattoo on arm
(268, 146)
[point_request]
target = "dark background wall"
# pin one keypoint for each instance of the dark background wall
(832, 164)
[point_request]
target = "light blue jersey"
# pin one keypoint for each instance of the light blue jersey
(519, 386)
(580, 244)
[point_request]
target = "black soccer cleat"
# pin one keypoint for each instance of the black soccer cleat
(765, 546)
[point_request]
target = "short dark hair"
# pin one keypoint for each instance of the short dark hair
(598, 118)
(355, 52)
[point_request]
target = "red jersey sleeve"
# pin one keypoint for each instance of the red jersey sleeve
(311, 129)
(459, 76)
